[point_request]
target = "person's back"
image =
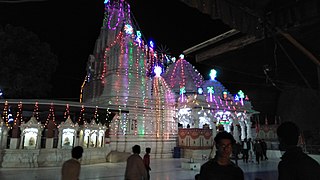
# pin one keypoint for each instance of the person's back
(135, 169)
(294, 164)
(71, 168)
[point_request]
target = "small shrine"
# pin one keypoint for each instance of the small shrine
(92, 135)
(31, 134)
(68, 134)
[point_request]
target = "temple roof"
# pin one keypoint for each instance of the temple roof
(217, 86)
(183, 74)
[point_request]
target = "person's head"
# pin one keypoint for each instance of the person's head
(136, 149)
(288, 134)
(148, 150)
(77, 152)
(224, 142)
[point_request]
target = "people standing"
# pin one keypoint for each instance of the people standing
(236, 151)
(264, 150)
(221, 167)
(245, 150)
(294, 163)
(135, 169)
(71, 168)
(146, 161)
(251, 152)
(257, 150)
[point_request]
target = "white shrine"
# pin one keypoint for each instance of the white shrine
(68, 134)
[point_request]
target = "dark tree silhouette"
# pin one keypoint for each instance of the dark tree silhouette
(26, 64)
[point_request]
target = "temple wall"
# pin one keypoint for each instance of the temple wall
(49, 157)
(160, 147)
(195, 138)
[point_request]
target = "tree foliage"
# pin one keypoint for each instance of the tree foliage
(26, 64)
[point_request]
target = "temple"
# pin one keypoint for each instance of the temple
(120, 74)
(131, 94)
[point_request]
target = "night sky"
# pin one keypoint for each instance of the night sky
(72, 28)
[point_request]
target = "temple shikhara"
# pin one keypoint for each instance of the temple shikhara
(156, 101)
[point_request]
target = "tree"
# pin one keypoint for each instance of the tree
(26, 64)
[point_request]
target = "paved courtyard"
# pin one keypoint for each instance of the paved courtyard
(162, 169)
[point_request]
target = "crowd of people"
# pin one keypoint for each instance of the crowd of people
(249, 149)
(294, 164)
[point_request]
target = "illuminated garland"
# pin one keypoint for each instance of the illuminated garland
(51, 117)
(183, 74)
(81, 116)
(5, 113)
(66, 113)
(36, 111)
(19, 118)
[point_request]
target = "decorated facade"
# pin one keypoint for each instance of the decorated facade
(42, 133)
(122, 73)
(125, 74)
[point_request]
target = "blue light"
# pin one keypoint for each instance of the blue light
(106, 1)
(128, 29)
(200, 90)
(236, 98)
(139, 34)
(151, 44)
(10, 116)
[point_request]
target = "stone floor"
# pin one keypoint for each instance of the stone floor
(162, 169)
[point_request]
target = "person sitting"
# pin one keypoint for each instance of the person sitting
(294, 164)
(221, 167)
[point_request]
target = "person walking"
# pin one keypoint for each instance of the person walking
(236, 151)
(257, 150)
(221, 167)
(246, 146)
(251, 152)
(71, 168)
(264, 150)
(146, 161)
(135, 169)
(294, 164)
